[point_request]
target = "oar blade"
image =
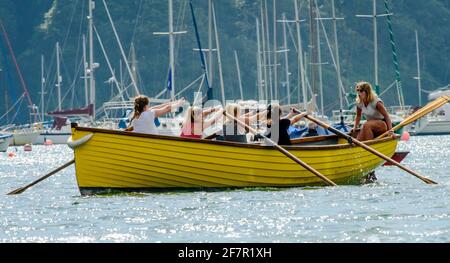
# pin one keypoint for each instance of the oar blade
(17, 191)
(22, 189)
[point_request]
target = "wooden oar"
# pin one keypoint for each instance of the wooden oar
(285, 152)
(369, 149)
(419, 113)
(22, 189)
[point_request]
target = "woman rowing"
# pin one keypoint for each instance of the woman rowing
(196, 121)
(368, 103)
(274, 116)
(232, 131)
(143, 120)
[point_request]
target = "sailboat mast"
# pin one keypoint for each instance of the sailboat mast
(171, 34)
(91, 57)
(219, 59)
(398, 80)
(338, 65)
(269, 60)
(239, 74)
(58, 76)
(133, 62)
(375, 42)
(374, 17)
(275, 75)
(319, 63)
(286, 61)
(210, 44)
(85, 78)
(133, 80)
(258, 62)
(300, 57)
(313, 45)
(171, 51)
(263, 52)
(418, 69)
(42, 88)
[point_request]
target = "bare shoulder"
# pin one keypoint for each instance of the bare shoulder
(380, 105)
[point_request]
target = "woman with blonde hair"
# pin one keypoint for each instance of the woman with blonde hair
(368, 103)
(143, 120)
(195, 121)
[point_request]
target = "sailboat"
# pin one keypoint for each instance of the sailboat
(5, 141)
(438, 121)
(22, 134)
(58, 130)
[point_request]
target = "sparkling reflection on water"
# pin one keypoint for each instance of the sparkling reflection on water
(398, 208)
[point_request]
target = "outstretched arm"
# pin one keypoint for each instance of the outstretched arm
(207, 124)
(210, 110)
(160, 105)
(251, 118)
(167, 103)
(298, 117)
(167, 108)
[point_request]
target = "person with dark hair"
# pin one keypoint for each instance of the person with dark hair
(143, 120)
(312, 130)
(368, 103)
(274, 114)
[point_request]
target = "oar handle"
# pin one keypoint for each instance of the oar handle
(284, 151)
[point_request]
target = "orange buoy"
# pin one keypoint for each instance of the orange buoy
(48, 142)
(405, 136)
(10, 154)
(27, 148)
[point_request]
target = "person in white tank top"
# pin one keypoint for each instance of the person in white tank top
(368, 103)
(143, 120)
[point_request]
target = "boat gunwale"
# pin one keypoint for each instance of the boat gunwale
(235, 144)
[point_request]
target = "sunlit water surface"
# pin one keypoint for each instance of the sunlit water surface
(397, 208)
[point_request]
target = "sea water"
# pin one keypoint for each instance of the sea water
(397, 208)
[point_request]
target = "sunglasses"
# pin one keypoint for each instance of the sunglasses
(360, 90)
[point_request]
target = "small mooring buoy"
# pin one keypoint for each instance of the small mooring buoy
(27, 148)
(48, 142)
(405, 136)
(11, 154)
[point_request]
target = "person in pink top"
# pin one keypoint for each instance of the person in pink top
(195, 121)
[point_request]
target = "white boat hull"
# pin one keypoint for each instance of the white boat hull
(22, 138)
(437, 123)
(5, 141)
(430, 127)
(55, 137)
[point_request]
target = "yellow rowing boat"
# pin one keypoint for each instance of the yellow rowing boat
(108, 160)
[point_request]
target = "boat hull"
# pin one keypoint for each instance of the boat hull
(55, 137)
(26, 137)
(5, 141)
(427, 127)
(123, 161)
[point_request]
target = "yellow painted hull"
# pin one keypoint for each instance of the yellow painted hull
(129, 161)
